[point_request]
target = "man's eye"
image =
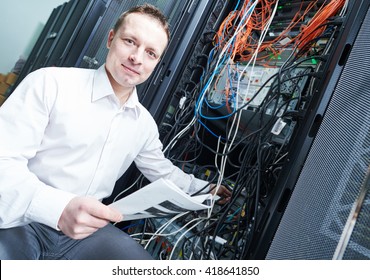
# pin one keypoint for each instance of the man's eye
(129, 41)
(152, 54)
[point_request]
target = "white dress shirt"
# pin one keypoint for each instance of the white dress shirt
(63, 134)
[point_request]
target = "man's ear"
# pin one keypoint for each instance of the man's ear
(110, 38)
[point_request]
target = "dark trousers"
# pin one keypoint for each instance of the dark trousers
(36, 241)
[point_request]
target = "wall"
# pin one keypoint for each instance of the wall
(21, 22)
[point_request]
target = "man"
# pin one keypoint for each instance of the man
(67, 135)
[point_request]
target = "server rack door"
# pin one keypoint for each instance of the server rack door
(337, 164)
(84, 35)
(53, 35)
(68, 31)
(38, 45)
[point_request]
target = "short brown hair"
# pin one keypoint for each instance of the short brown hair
(145, 9)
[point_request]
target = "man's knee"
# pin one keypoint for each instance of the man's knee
(17, 244)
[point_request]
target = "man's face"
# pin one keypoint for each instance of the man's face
(134, 51)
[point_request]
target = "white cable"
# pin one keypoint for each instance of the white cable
(163, 227)
(182, 235)
(255, 54)
(126, 189)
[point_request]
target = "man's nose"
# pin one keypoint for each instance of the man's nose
(137, 56)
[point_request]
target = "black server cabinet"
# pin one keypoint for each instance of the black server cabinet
(67, 31)
(80, 28)
(40, 44)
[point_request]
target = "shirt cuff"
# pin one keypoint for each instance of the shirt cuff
(47, 206)
(197, 185)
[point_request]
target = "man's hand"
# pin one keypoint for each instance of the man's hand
(222, 192)
(83, 216)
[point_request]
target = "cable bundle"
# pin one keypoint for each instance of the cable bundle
(317, 25)
(255, 25)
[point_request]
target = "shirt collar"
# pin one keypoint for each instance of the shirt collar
(102, 88)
